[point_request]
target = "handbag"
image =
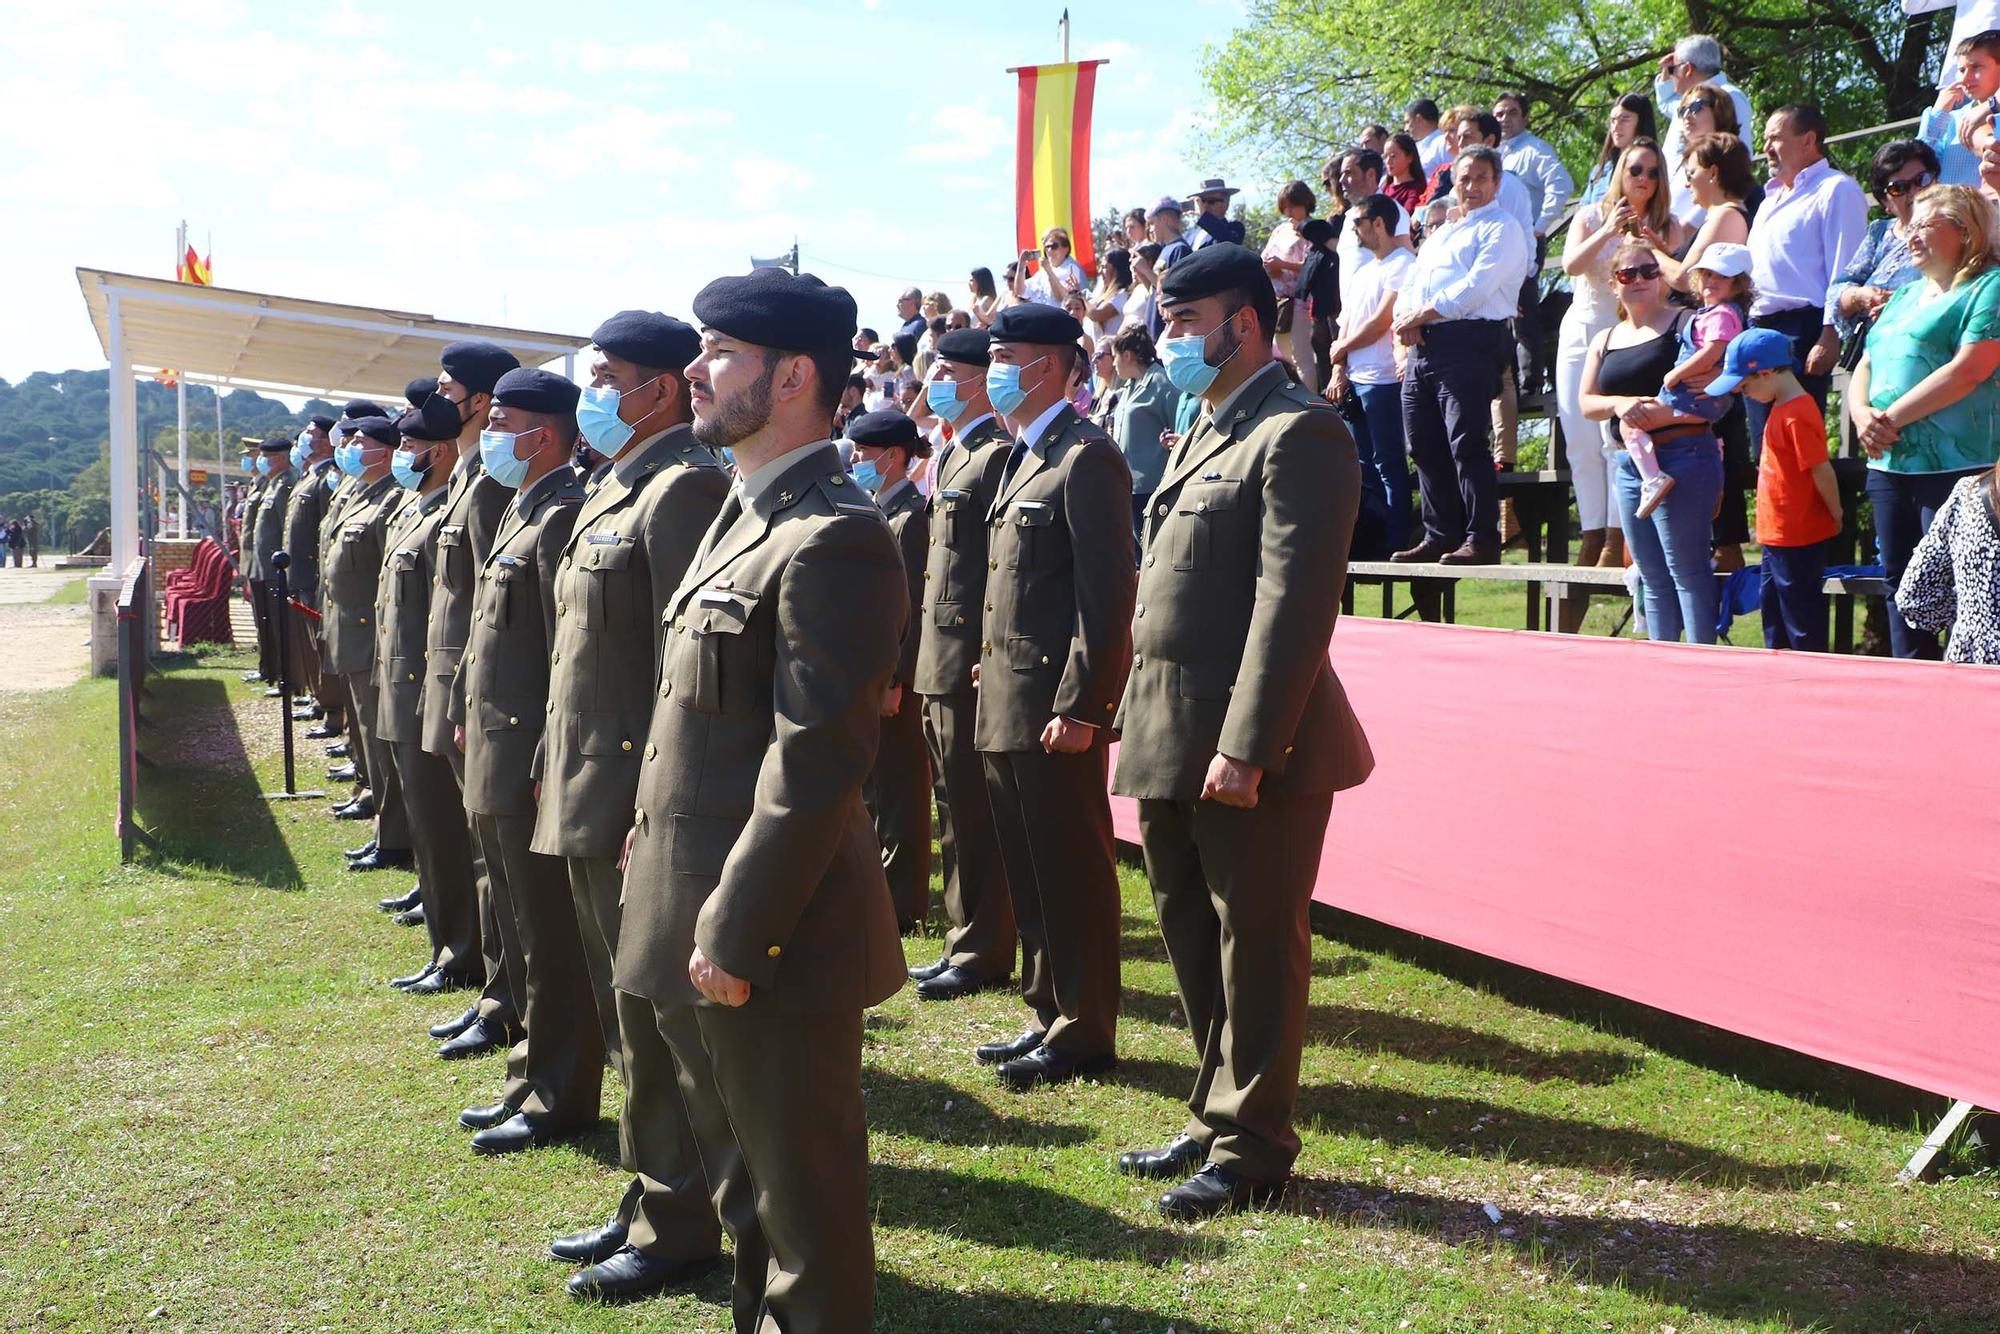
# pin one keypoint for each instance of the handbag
(1285, 315)
(1856, 344)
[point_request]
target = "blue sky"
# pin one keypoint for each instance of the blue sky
(504, 162)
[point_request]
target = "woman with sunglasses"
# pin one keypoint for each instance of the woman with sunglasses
(1622, 380)
(1706, 109)
(1635, 204)
(1900, 172)
(1923, 397)
(1057, 273)
(1631, 119)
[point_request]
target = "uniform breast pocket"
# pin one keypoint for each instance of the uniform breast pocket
(948, 516)
(452, 555)
(501, 594)
(709, 654)
(1035, 536)
(1201, 517)
(608, 596)
(404, 565)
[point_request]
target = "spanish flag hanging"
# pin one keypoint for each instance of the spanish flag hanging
(1052, 156)
(194, 269)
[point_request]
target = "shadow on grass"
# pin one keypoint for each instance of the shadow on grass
(1423, 1040)
(1727, 1271)
(901, 1304)
(199, 794)
(999, 1211)
(1140, 939)
(1483, 1130)
(917, 1107)
(1760, 1064)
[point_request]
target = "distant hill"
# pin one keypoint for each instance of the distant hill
(54, 423)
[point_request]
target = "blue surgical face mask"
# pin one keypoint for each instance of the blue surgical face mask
(263, 465)
(597, 417)
(1003, 386)
(408, 475)
(866, 475)
(348, 457)
(1186, 360)
(942, 395)
(497, 453)
(246, 462)
(728, 457)
(302, 450)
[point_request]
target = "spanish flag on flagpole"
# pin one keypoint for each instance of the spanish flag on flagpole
(1052, 156)
(194, 269)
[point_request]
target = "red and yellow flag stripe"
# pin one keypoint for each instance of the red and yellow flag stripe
(194, 269)
(1052, 156)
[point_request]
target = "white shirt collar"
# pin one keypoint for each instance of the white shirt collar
(1040, 425)
(753, 486)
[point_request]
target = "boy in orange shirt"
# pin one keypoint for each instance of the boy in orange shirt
(1798, 502)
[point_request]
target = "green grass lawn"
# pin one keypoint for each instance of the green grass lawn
(74, 593)
(213, 1115)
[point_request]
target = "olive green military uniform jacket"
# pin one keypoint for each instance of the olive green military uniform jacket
(1246, 557)
(354, 573)
(752, 839)
(1060, 578)
(402, 615)
(634, 536)
(271, 523)
(954, 582)
(502, 696)
(303, 516)
(465, 533)
(908, 513)
(246, 532)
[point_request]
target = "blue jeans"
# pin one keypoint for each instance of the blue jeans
(1385, 464)
(1793, 604)
(1904, 504)
(1670, 546)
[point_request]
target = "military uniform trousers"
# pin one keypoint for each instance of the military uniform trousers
(392, 821)
(978, 910)
(1053, 818)
(667, 1208)
(302, 660)
(1232, 887)
(267, 645)
(773, 1097)
(595, 885)
(898, 794)
(496, 1002)
(442, 841)
(556, 1071)
(330, 688)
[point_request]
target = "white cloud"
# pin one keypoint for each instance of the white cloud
(633, 57)
(964, 132)
(763, 182)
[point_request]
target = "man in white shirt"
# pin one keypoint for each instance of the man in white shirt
(1364, 359)
(1695, 60)
(1813, 220)
(1420, 122)
(1521, 202)
(1452, 313)
(1358, 175)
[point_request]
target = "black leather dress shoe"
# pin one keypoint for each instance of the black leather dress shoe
(924, 972)
(485, 1118)
(1045, 1065)
(405, 983)
(441, 981)
(1215, 1190)
(992, 1053)
(362, 851)
(629, 1274)
(307, 713)
(382, 859)
(338, 750)
(361, 808)
(396, 903)
(273, 693)
(1177, 1159)
(953, 983)
(253, 676)
(410, 916)
(455, 1025)
(343, 773)
(518, 1132)
(475, 1039)
(591, 1247)
(321, 732)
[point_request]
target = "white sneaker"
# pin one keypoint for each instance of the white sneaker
(1651, 492)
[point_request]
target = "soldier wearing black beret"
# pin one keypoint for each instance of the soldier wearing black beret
(979, 938)
(420, 389)
(267, 536)
(1053, 654)
(757, 922)
(1234, 730)
(630, 548)
(318, 481)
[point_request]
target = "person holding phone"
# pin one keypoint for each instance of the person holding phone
(1056, 272)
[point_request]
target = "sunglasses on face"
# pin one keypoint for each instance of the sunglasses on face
(1638, 170)
(1637, 273)
(1903, 187)
(1693, 109)
(1055, 245)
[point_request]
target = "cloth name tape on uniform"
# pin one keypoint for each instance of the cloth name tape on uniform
(603, 539)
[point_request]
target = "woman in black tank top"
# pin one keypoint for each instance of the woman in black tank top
(1621, 383)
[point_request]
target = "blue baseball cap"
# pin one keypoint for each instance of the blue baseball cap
(1749, 352)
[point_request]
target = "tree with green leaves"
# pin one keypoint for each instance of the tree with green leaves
(1299, 78)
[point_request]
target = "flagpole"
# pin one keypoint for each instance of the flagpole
(1064, 25)
(181, 404)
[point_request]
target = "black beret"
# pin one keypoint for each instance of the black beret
(1222, 266)
(361, 407)
(648, 338)
(1031, 322)
(970, 346)
(883, 427)
(477, 364)
(771, 308)
(378, 428)
(272, 444)
(435, 418)
(324, 423)
(1318, 231)
(419, 389)
(534, 390)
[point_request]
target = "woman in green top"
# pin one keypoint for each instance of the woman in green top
(1924, 400)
